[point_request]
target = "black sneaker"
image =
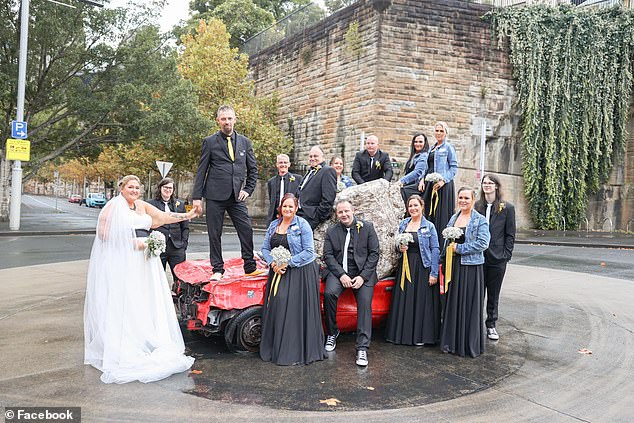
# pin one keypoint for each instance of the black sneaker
(331, 342)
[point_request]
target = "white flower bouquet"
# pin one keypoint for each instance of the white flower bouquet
(433, 177)
(281, 255)
(340, 186)
(403, 239)
(452, 233)
(154, 244)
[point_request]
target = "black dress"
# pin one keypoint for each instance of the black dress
(414, 317)
(463, 325)
(444, 209)
(292, 332)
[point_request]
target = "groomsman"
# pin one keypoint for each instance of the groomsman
(318, 189)
(176, 234)
(281, 184)
(351, 253)
(371, 163)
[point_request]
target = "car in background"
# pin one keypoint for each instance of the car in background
(74, 198)
(94, 199)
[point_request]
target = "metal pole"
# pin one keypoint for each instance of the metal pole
(483, 139)
(16, 174)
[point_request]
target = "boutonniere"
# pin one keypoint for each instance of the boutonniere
(294, 227)
(501, 207)
(377, 165)
(292, 178)
(317, 168)
(178, 203)
(359, 226)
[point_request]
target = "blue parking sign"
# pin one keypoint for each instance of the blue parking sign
(18, 130)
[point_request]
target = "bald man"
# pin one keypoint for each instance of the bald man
(318, 189)
(371, 163)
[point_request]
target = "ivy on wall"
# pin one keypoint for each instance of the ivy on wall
(573, 75)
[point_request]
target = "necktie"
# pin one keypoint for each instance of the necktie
(167, 207)
(371, 163)
(281, 188)
(312, 171)
(488, 213)
(345, 251)
(230, 147)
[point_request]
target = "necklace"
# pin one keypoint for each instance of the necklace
(133, 208)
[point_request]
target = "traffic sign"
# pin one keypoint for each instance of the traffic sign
(18, 130)
(164, 167)
(18, 150)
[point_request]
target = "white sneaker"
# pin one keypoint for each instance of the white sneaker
(362, 358)
(216, 276)
(492, 334)
(331, 342)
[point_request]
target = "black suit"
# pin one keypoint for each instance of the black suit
(366, 168)
(176, 234)
(291, 183)
(317, 194)
(219, 180)
(365, 253)
(502, 230)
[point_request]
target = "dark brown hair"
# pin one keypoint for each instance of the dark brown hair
(164, 181)
(286, 197)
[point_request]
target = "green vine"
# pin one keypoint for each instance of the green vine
(573, 74)
(354, 40)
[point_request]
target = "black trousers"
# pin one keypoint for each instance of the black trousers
(313, 223)
(409, 190)
(241, 221)
(493, 277)
(363, 295)
(173, 256)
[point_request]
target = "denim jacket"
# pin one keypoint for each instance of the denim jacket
(446, 161)
(477, 238)
(420, 168)
(300, 242)
(427, 243)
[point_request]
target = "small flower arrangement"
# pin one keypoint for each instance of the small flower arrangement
(178, 203)
(377, 165)
(433, 177)
(291, 178)
(340, 186)
(359, 226)
(403, 239)
(452, 233)
(281, 255)
(154, 244)
(501, 207)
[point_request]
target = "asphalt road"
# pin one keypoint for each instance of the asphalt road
(45, 214)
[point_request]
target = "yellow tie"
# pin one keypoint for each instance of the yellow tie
(230, 147)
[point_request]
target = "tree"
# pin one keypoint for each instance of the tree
(334, 5)
(220, 76)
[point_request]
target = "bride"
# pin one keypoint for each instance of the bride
(130, 326)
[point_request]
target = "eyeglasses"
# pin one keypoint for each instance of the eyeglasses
(167, 188)
(488, 183)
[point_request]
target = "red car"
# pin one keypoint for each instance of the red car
(233, 305)
(74, 198)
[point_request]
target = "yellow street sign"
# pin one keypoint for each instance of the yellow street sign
(18, 150)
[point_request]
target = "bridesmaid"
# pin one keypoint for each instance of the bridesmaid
(292, 332)
(441, 159)
(415, 167)
(343, 181)
(414, 317)
(463, 324)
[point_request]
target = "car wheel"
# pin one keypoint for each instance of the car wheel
(244, 331)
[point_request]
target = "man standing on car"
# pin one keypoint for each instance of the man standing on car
(226, 177)
(371, 164)
(176, 234)
(351, 253)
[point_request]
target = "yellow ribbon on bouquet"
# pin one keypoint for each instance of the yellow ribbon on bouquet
(434, 203)
(448, 264)
(275, 282)
(405, 273)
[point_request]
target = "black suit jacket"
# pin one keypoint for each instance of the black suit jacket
(362, 172)
(273, 188)
(365, 245)
(502, 230)
(177, 232)
(218, 177)
(317, 196)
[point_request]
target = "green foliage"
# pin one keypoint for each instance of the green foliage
(219, 74)
(354, 40)
(573, 77)
(334, 5)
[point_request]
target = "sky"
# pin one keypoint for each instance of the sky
(174, 11)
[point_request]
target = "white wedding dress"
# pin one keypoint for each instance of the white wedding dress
(130, 327)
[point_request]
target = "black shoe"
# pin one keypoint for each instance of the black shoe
(331, 342)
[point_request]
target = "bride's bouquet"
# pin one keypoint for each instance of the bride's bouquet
(154, 244)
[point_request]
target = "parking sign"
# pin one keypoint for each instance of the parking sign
(18, 130)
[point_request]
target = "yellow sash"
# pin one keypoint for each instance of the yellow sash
(448, 264)
(274, 284)
(405, 273)
(434, 202)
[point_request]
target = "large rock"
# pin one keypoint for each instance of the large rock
(380, 203)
